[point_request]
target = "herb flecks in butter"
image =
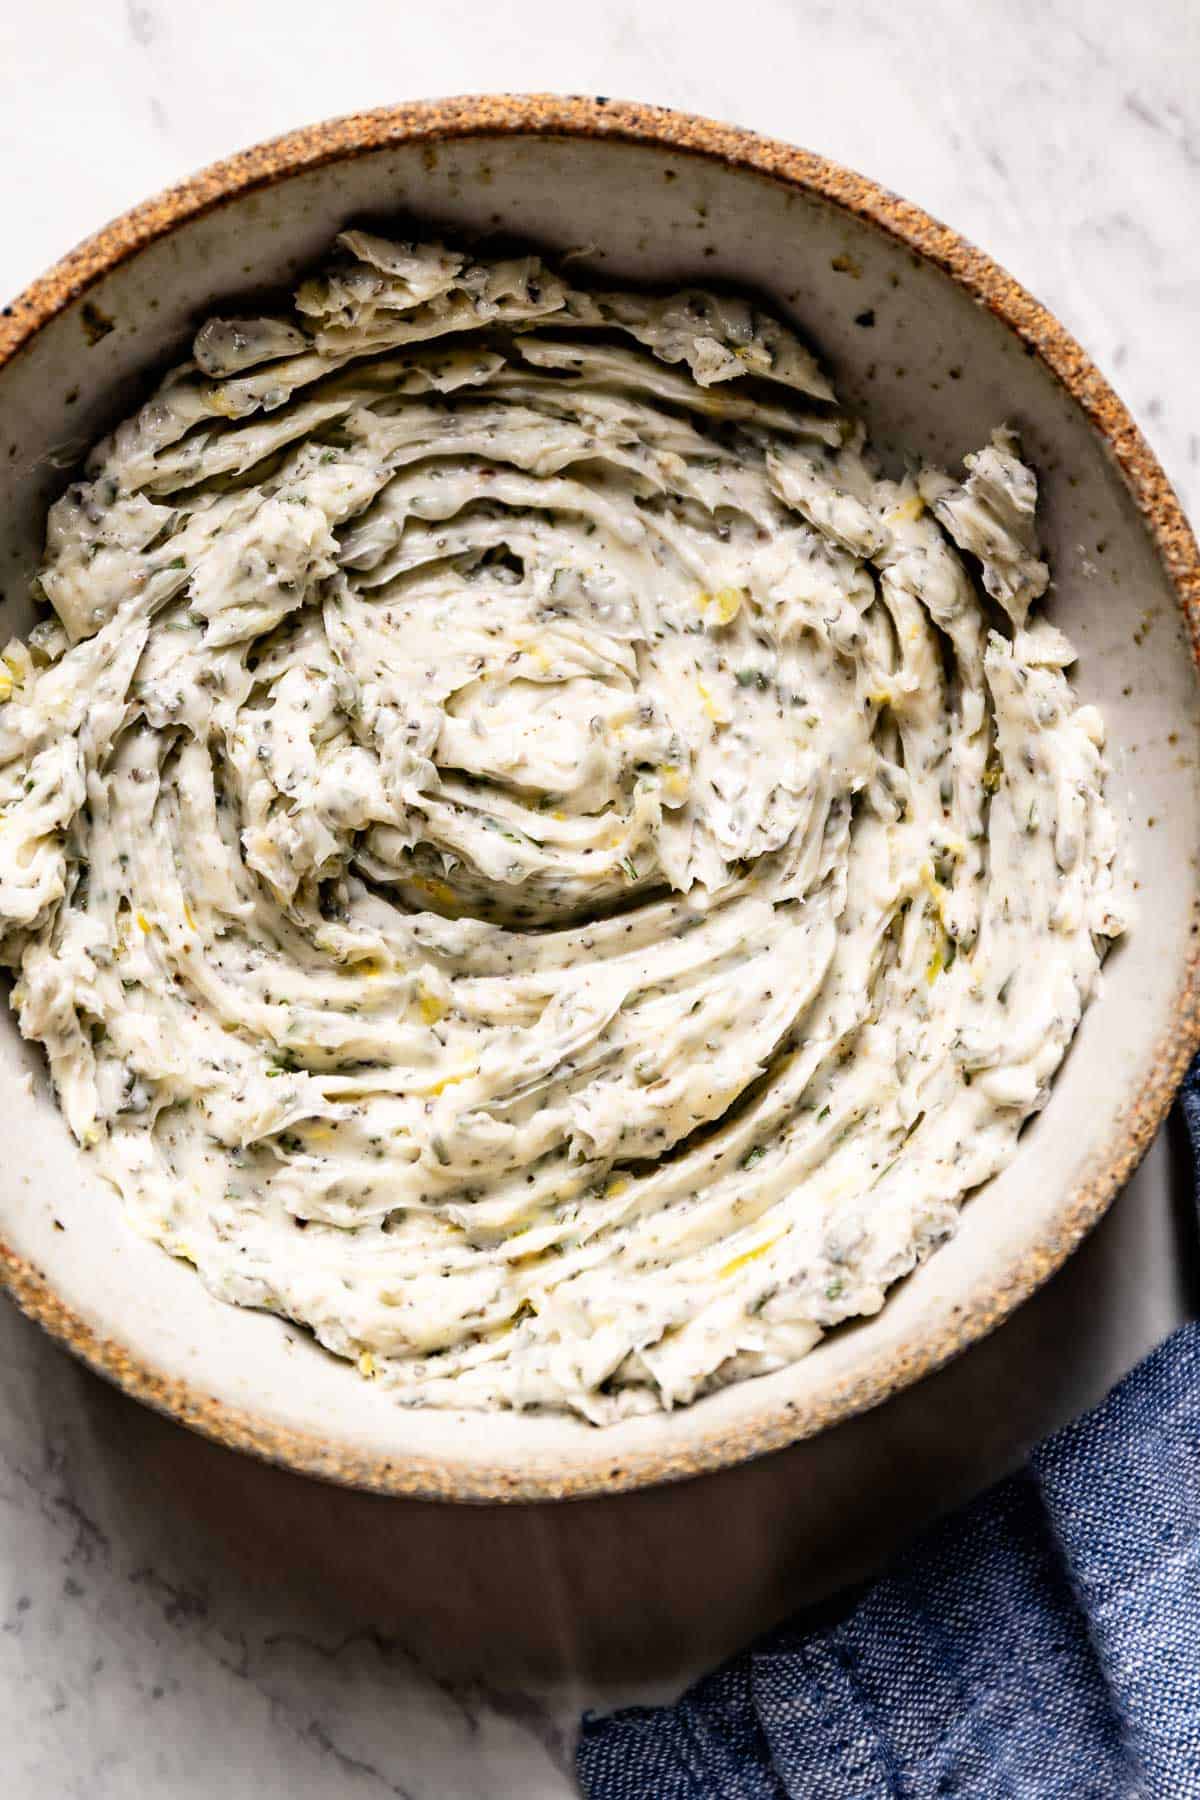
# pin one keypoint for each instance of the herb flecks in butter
(512, 823)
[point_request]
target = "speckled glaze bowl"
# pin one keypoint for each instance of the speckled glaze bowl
(934, 345)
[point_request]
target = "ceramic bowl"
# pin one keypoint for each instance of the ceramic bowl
(934, 345)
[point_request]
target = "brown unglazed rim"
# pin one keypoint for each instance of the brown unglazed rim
(774, 1423)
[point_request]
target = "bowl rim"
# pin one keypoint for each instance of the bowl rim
(772, 1424)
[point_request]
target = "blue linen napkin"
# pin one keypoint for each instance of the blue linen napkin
(1042, 1644)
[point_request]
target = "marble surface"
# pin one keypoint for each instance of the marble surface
(178, 1620)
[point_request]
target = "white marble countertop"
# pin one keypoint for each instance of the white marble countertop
(176, 1620)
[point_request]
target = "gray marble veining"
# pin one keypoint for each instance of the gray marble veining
(151, 1645)
(175, 1620)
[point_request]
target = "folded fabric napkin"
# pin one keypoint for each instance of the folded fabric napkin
(1042, 1644)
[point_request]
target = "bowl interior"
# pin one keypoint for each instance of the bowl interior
(932, 372)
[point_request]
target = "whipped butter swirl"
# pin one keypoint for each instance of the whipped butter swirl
(525, 852)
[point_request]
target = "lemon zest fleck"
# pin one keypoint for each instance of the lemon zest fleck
(725, 604)
(907, 511)
(439, 1087)
(367, 1366)
(522, 1253)
(432, 1007)
(935, 890)
(441, 891)
(747, 1256)
(223, 403)
(713, 709)
(527, 1262)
